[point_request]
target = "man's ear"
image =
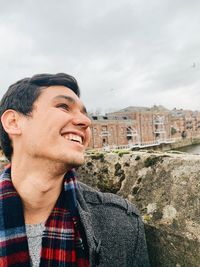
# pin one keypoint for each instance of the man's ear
(10, 121)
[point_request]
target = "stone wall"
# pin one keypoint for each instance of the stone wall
(166, 189)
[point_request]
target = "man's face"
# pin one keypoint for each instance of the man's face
(58, 128)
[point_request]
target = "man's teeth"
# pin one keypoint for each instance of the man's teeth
(73, 137)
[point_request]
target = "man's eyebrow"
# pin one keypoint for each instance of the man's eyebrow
(72, 101)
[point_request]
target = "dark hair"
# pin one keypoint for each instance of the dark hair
(21, 96)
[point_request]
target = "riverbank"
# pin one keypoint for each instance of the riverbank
(185, 142)
(179, 143)
(191, 149)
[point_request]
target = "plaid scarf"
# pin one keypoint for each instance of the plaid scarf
(61, 242)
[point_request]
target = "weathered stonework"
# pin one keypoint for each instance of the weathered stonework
(166, 189)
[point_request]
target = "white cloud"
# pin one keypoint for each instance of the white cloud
(125, 52)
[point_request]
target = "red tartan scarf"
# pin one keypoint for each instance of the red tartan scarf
(62, 244)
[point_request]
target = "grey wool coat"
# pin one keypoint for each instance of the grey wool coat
(113, 228)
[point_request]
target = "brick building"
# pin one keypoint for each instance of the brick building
(131, 126)
(185, 123)
(143, 126)
(107, 130)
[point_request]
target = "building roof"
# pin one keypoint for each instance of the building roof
(155, 108)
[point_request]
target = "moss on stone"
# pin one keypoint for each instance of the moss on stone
(126, 164)
(121, 153)
(135, 189)
(89, 164)
(151, 161)
(146, 218)
(117, 166)
(118, 170)
(107, 185)
(137, 158)
(97, 156)
(104, 170)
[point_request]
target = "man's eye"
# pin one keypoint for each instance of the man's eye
(63, 106)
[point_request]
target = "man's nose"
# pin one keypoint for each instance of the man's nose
(82, 120)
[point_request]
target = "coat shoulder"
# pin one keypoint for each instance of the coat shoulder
(95, 197)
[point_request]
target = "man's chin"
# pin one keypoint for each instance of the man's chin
(75, 163)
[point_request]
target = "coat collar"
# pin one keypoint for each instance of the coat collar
(93, 242)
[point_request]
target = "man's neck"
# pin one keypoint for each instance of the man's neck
(39, 186)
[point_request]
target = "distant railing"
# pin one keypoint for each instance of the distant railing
(140, 145)
(143, 144)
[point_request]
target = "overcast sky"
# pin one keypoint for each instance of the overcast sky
(122, 52)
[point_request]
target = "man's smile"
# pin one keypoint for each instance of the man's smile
(73, 137)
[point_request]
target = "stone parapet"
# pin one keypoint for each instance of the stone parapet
(166, 189)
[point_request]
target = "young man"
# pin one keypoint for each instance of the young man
(46, 217)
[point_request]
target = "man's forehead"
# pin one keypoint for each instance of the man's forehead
(59, 92)
(59, 88)
(56, 91)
